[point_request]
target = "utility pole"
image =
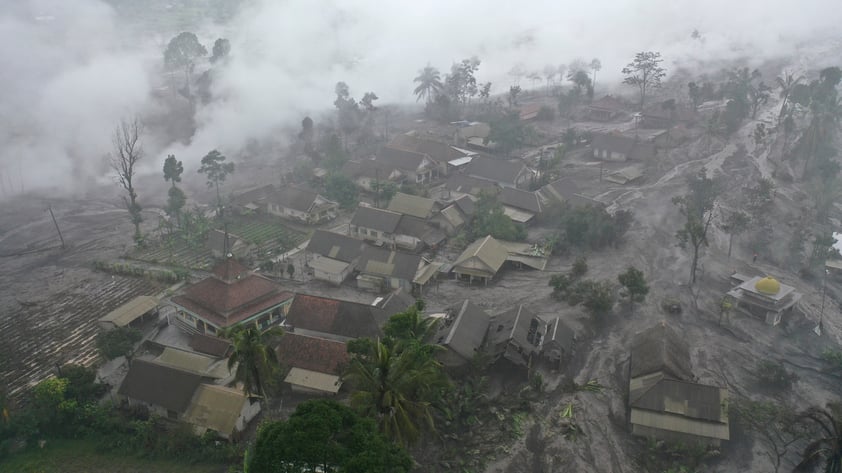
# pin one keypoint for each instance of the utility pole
(50, 208)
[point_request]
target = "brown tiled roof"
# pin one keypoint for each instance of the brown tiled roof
(226, 303)
(333, 316)
(311, 353)
(229, 270)
(210, 345)
(160, 385)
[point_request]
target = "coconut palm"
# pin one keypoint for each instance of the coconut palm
(827, 447)
(396, 387)
(787, 83)
(254, 360)
(429, 83)
(410, 325)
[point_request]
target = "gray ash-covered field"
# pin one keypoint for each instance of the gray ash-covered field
(50, 298)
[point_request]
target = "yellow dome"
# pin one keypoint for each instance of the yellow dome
(768, 285)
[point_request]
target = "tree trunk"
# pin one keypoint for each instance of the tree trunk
(693, 265)
(730, 242)
(218, 202)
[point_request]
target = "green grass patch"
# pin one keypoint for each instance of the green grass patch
(81, 456)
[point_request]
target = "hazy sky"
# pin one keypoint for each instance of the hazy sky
(69, 72)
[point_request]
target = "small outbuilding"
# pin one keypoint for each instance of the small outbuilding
(132, 312)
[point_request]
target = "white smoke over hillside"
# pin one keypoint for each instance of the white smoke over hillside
(66, 81)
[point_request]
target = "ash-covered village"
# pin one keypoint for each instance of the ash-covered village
(256, 237)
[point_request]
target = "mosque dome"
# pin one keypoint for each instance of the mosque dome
(768, 285)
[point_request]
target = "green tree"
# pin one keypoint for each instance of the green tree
(383, 192)
(252, 356)
(429, 84)
(307, 134)
(634, 281)
(735, 224)
(341, 189)
(596, 66)
(173, 169)
(826, 444)
(461, 84)
(82, 384)
(396, 386)
(128, 151)
(290, 270)
(216, 170)
(182, 52)
(323, 435)
(697, 207)
(221, 49)
(410, 325)
(514, 91)
(489, 219)
(508, 131)
(117, 342)
(644, 72)
(597, 297)
(695, 94)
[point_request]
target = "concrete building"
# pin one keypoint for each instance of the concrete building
(301, 205)
(764, 298)
(232, 295)
(382, 270)
(332, 256)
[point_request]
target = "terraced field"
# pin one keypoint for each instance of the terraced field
(178, 253)
(266, 234)
(62, 327)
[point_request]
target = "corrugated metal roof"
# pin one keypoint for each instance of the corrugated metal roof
(312, 380)
(413, 205)
(487, 250)
(328, 265)
(201, 364)
(130, 311)
(216, 408)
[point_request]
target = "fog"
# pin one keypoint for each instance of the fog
(70, 72)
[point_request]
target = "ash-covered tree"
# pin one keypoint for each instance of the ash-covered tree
(324, 435)
(582, 81)
(787, 81)
(514, 91)
(697, 207)
(776, 426)
(307, 135)
(735, 223)
(596, 66)
(461, 84)
(825, 447)
(182, 53)
(645, 73)
(221, 49)
(489, 219)
(634, 282)
(343, 190)
(550, 72)
(508, 131)
(429, 84)
(695, 94)
(348, 110)
(128, 151)
(176, 199)
(216, 170)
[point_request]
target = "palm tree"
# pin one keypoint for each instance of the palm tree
(596, 66)
(396, 388)
(410, 325)
(254, 359)
(787, 83)
(429, 83)
(828, 446)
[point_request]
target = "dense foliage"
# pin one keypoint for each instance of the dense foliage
(117, 342)
(323, 435)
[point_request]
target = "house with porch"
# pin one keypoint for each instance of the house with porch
(333, 256)
(232, 295)
(764, 298)
(481, 260)
(301, 205)
(501, 172)
(314, 365)
(665, 401)
(417, 168)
